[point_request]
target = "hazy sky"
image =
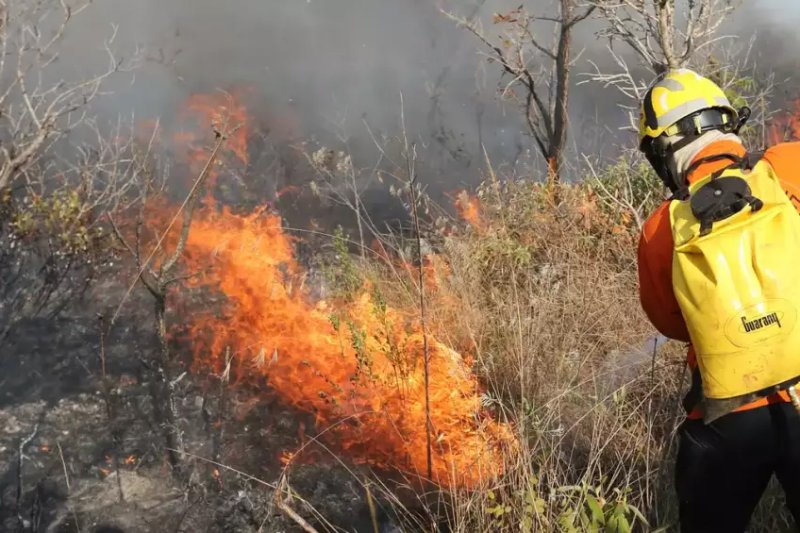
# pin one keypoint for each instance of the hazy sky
(321, 65)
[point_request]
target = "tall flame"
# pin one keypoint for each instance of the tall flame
(224, 113)
(357, 365)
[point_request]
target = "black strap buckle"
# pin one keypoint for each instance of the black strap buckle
(720, 198)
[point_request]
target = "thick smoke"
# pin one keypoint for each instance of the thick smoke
(318, 68)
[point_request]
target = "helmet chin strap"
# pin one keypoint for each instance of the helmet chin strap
(673, 157)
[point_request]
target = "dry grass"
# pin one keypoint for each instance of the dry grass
(543, 295)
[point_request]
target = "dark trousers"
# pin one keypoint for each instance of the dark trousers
(724, 467)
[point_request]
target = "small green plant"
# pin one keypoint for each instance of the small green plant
(586, 511)
(528, 511)
(392, 345)
(500, 513)
(628, 190)
(61, 217)
(568, 509)
(358, 340)
(340, 270)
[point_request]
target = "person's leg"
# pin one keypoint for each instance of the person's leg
(787, 469)
(722, 470)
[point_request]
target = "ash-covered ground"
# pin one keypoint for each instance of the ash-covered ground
(70, 462)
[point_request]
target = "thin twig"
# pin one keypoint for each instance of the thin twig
(372, 512)
(221, 138)
(299, 520)
(110, 417)
(650, 420)
(224, 379)
(291, 513)
(20, 460)
(410, 155)
(69, 488)
(226, 467)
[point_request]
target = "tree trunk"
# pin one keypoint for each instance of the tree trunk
(161, 392)
(558, 139)
(666, 34)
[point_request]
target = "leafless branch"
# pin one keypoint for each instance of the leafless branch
(538, 75)
(190, 202)
(187, 209)
(288, 511)
(662, 34)
(34, 115)
(69, 488)
(410, 154)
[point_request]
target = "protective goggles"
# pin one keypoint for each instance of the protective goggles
(702, 121)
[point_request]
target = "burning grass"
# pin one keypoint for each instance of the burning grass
(541, 406)
(548, 303)
(548, 408)
(357, 365)
(548, 297)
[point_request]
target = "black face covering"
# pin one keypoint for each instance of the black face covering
(660, 152)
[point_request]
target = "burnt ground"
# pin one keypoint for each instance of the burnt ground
(59, 446)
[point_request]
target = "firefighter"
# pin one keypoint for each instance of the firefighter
(734, 437)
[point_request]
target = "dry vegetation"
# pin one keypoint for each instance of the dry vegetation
(542, 294)
(535, 284)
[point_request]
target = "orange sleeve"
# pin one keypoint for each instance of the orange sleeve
(655, 276)
(785, 160)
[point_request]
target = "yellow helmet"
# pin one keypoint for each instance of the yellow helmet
(676, 95)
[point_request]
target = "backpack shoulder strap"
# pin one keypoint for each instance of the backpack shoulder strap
(747, 162)
(679, 195)
(751, 159)
(734, 159)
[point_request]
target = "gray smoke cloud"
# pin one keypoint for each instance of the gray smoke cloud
(318, 67)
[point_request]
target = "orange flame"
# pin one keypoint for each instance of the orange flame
(202, 117)
(286, 457)
(469, 209)
(786, 127)
(225, 112)
(357, 366)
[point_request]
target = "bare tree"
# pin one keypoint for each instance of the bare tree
(160, 280)
(537, 74)
(662, 35)
(35, 111)
(49, 202)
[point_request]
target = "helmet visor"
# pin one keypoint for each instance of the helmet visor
(702, 121)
